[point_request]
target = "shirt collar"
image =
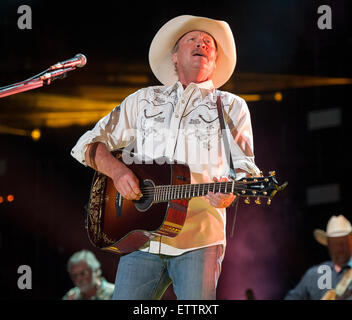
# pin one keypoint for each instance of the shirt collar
(203, 87)
(349, 263)
(209, 85)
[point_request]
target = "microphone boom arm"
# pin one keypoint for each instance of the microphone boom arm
(45, 77)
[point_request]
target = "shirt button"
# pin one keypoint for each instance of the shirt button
(176, 116)
(183, 101)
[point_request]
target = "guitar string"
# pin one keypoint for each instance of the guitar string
(184, 188)
(179, 191)
(229, 183)
(194, 192)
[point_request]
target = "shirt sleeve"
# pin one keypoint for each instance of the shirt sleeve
(238, 120)
(116, 130)
(305, 287)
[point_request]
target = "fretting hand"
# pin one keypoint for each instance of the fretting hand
(220, 200)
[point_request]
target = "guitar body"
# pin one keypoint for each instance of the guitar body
(121, 226)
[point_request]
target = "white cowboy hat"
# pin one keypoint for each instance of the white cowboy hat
(337, 226)
(160, 50)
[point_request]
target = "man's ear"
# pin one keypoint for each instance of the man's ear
(174, 58)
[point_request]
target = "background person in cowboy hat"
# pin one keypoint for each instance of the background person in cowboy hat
(314, 284)
(192, 57)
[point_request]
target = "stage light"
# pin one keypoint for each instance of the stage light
(10, 198)
(36, 134)
(1, 199)
(278, 96)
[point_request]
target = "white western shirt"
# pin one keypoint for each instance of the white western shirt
(181, 124)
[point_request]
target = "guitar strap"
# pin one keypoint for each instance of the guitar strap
(224, 135)
(340, 291)
(344, 283)
(228, 153)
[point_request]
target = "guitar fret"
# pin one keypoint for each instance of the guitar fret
(170, 192)
(156, 194)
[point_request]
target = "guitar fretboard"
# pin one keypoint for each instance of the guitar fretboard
(171, 192)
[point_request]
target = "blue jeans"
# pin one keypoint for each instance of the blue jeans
(146, 276)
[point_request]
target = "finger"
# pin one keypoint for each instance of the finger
(209, 195)
(219, 204)
(215, 199)
(220, 196)
(131, 196)
(135, 191)
(221, 179)
(127, 192)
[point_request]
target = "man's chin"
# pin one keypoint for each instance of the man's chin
(85, 288)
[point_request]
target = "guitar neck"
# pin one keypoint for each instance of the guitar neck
(173, 192)
(258, 187)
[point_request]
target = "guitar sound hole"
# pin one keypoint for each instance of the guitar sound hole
(146, 201)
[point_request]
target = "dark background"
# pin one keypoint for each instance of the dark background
(272, 246)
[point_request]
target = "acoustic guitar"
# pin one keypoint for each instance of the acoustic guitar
(342, 290)
(121, 226)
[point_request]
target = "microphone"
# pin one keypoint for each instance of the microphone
(79, 60)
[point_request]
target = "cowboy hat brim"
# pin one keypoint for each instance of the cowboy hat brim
(322, 237)
(160, 52)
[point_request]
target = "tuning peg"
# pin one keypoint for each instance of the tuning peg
(257, 200)
(268, 202)
(247, 201)
(272, 173)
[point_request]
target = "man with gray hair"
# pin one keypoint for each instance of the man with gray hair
(85, 272)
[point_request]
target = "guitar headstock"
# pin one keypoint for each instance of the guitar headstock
(258, 188)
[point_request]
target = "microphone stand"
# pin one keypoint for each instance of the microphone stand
(35, 82)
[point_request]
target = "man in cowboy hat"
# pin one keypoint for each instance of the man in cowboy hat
(192, 57)
(331, 279)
